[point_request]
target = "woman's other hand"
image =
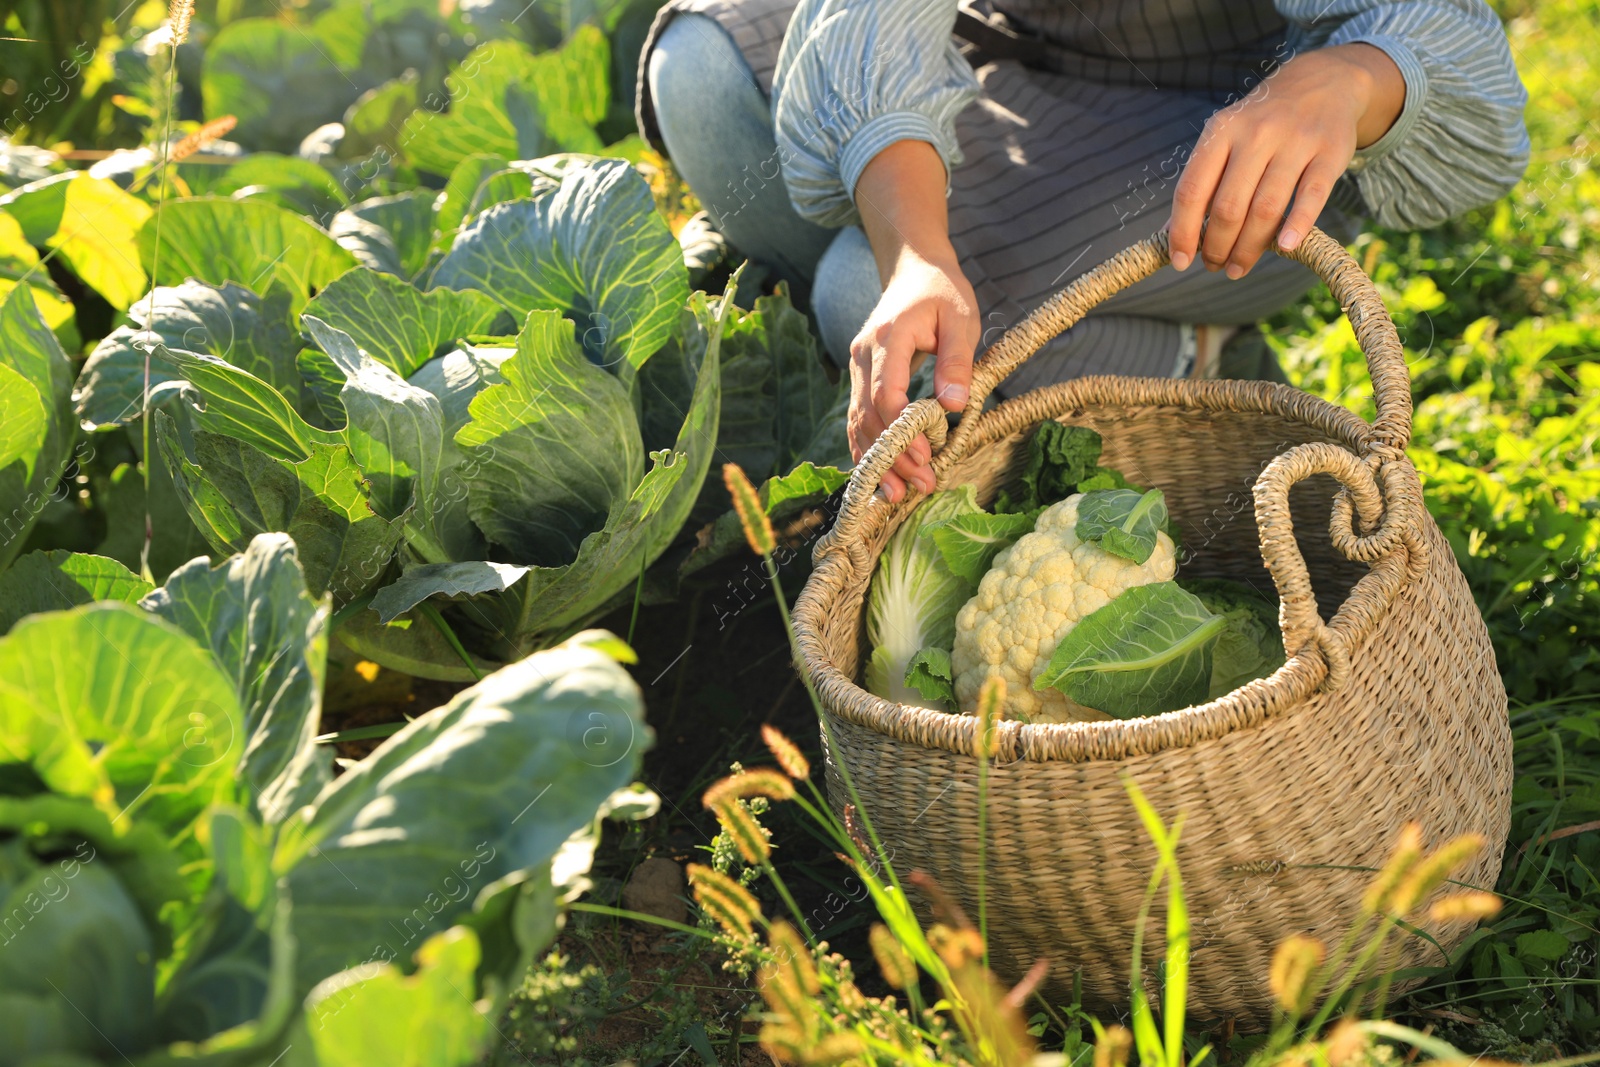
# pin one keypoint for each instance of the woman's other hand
(927, 306)
(1288, 141)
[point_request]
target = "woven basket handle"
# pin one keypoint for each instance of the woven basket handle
(919, 417)
(1391, 380)
(1390, 514)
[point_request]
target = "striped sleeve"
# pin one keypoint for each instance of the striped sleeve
(1460, 141)
(855, 76)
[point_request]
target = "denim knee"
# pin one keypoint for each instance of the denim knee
(845, 291)
(695, 69)
(717, 126)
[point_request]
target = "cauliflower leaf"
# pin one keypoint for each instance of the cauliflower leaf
(1251, 646)
(1123, 521)
(931, 674)
(969, 542)
(1146, 652)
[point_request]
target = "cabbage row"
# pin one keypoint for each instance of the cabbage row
(406, 357)
(482, 399)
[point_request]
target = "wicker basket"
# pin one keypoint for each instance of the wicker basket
(1293, 787)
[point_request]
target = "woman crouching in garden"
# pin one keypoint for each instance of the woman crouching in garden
(930, 174)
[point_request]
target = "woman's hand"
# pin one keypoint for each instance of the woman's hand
(1289, 140)
(927, 306)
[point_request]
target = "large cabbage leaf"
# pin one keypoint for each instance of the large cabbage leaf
(108, 703)
(394, 430)
(254, 333)
(596, 247)
(290, 182)
(775, 392)
(58, 579)
(280, 80)
(92, 224)
(36, 425)
(465, 833)
(19, 265)
(78, 978)
(509, 102)
(250, 242)
(271, 638)
(552, 450)
(533, 605)
(396, 324)
(381, 1017)
(234, 491)
(393, 234)
(914, 598)
(454, 203)
(487, 787)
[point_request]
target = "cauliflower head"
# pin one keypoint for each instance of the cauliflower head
(1034, 594)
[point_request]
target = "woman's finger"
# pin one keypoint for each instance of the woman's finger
(876, 387)
(1310, 196)
(890, 374)
(952, 366)
(864, 427)
(1266, 211)
(1193, 194)
(861, 423)
(1231, 204)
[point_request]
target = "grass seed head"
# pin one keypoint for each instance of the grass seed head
(752, 516)
(178, 18)
(1407, 851)
(957, 946)
(898, 969)
(789, 983)
(1294, 966)
(1112, 1047)
(754, 782)
(834, 1049)
(1433, 871)
(784, 1042)
(1468, 907)
(748, 836)
(725, 900)
(786, 752)
(1346, 1044)
(197, 140)
(791, 971)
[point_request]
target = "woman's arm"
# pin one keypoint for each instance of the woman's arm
(864, 102)
(927, 304)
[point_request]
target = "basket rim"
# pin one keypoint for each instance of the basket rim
(1300, 678)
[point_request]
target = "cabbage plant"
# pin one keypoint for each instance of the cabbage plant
(182, 876)
(482, 414)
